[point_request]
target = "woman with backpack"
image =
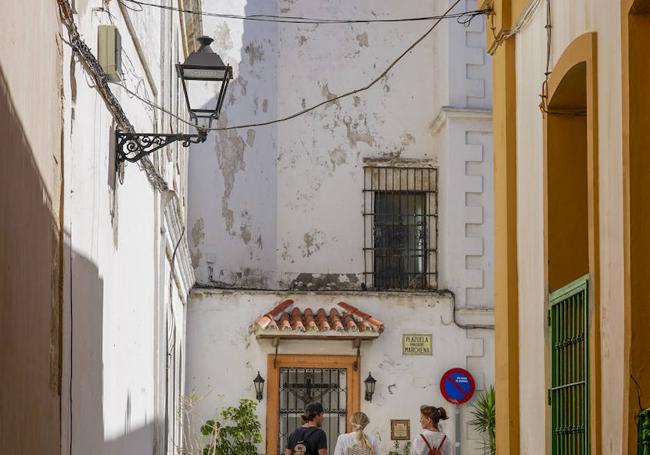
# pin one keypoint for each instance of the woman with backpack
(431, 441)
(357, 442)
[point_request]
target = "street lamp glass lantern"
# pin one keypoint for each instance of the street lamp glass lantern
(370, 383)
(259, 386)
(204, 76)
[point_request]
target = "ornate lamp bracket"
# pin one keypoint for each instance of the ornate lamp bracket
(132, 147)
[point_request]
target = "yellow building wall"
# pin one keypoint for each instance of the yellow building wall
(569, 20)
(635, 22)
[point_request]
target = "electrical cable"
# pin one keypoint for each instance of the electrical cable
(100, 79)
(638, 391)
(351, 92)
(153, 105)
(299, 19)
(447, 14)
(468, 16)
(523, 20)
(167, 347)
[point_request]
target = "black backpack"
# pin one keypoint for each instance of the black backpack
(302, 446)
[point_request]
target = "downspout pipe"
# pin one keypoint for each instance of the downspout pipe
(454, 319)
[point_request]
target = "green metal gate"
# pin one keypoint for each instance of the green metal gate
(569, 345)
(643, 430)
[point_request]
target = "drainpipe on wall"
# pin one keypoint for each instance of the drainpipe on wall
(455, 321)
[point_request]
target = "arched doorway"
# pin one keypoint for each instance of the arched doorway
(572, 248)
(636, 175)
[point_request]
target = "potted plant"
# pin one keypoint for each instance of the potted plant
(484, 421)
(236, 433)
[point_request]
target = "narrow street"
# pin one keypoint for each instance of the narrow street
(280, 227)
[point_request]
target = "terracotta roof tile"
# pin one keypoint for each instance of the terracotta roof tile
(321, 323)
(265, 320)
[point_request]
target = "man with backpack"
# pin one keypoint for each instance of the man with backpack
(309, 439)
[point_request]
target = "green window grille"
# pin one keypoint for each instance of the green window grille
(643, 429)
(569, 392)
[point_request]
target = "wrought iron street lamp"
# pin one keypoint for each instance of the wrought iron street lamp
(370, 383)
(204, 67)
(259, 386)
(201, 68)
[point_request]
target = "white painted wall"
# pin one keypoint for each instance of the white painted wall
(276, 205)
(224, 357)
(273, 206)
(122, 317)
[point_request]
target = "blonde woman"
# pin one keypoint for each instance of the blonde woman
(357, 442)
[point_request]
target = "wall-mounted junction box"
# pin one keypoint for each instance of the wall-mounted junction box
(109, 47)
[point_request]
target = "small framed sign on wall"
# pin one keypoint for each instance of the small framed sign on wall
(417, 344)
(400, 430)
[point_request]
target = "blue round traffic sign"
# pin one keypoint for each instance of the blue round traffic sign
(457, 386)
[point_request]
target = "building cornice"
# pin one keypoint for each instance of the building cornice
(458, 113)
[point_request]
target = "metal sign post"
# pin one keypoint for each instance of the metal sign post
(458, 428)
(457, 386)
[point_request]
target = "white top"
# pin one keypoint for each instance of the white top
(434, 438)
(347, 440)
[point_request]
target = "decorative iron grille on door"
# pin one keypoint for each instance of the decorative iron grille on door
(300, 386)
(569, 392)
(400, 227)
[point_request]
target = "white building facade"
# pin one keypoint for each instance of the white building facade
(127, 272)
(381, 200)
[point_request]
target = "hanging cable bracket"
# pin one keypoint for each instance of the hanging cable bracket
(132, 147)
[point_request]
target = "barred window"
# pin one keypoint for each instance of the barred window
(400, 227)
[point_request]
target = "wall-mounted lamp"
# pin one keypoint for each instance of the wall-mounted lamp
(370, 383)
(259, 387)
(202, 66)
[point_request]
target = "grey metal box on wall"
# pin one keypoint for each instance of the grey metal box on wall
(109, 48)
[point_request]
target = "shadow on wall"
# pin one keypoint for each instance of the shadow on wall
(32, 311)
(239, 166)
(130, 442)
(86, 325)
(30, 294)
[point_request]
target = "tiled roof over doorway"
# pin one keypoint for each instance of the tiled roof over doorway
(342, 321)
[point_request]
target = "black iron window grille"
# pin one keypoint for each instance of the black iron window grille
(300, 386)
(400, 208)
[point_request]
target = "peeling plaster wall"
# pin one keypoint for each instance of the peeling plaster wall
(279, 206)
(222, 371)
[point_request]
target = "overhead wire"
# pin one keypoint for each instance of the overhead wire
(100, 79)
(351, 92)
(525, 17)
(151, 104)
(347, 94)
(461, 16)
(465, 18)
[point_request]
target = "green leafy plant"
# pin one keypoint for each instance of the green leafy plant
(236, 433)
(407, 448)
(484, 421)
